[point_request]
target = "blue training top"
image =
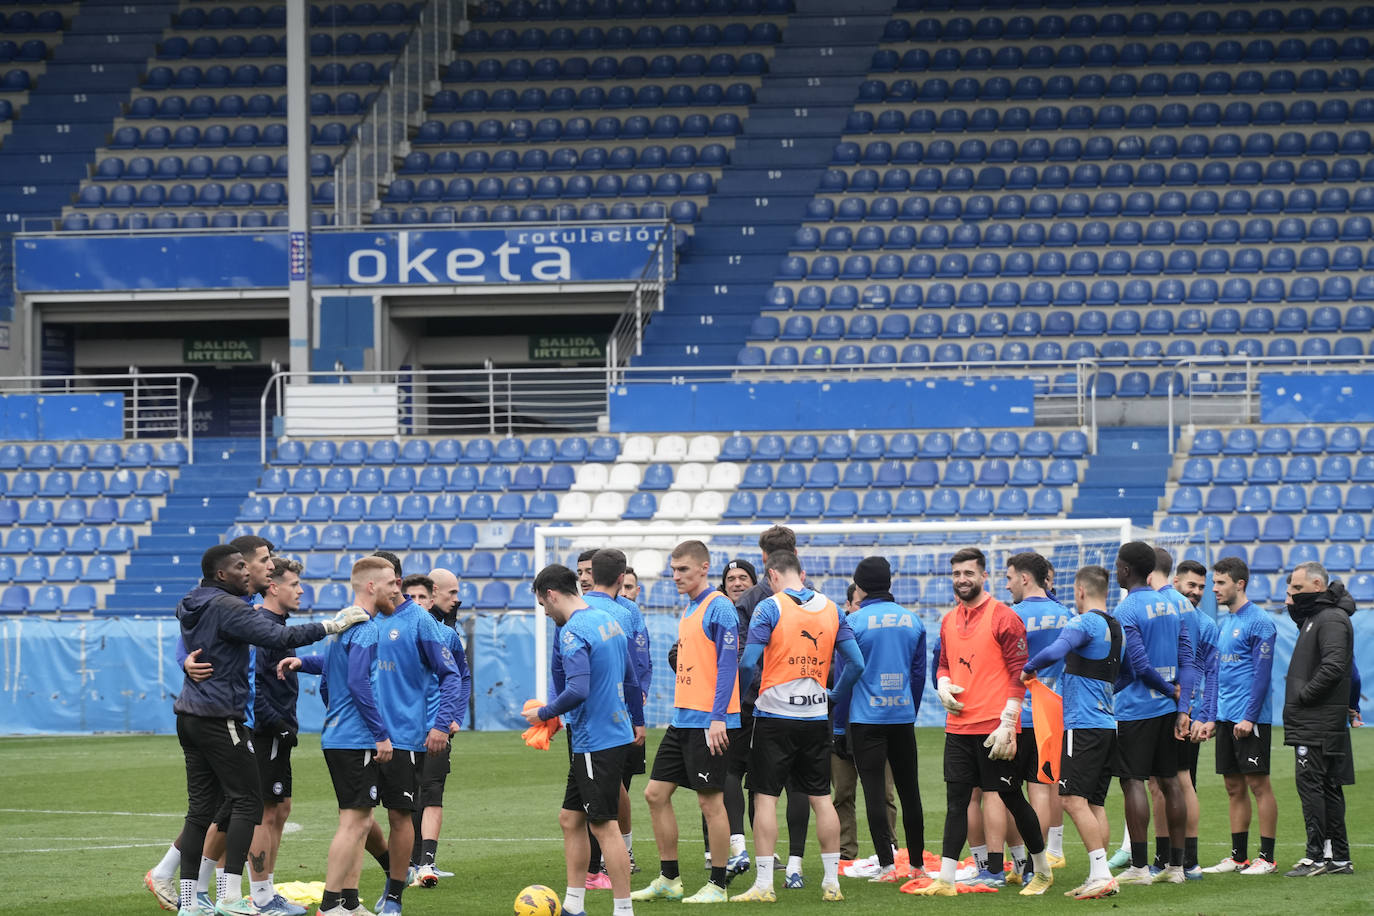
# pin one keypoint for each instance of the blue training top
(893, 642)
(598, 696)
(1159, 651)
(351, 718)
(411, 652)
(1044, 618)
(1088, 702)
(1245, 656)
(631, 620)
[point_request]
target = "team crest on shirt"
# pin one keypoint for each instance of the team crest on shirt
(1265, 648)
(446, 654)
(1235, 634)
(729, 637)
(569, 639)
(394, 634)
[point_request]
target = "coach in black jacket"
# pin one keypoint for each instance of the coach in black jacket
(1315, 713)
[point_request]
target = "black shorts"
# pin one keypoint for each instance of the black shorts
(594, 783)
(1147, 747)
(361, 782)
(684, 759)
(433, 775)
(967, 763)
(792, 754)
(274, 765)
(635, 763)
(737, 755)
(1085, 768)
(221, 772)
(1028, 757)
(1237, 756)
(1187, 759)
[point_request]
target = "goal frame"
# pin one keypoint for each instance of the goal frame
(542, 533)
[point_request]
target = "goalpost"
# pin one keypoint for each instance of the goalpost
(918, 551)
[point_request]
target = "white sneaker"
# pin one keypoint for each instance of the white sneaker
(1172, 874)
(1226, 865)
(425, 876)
(1260, 866)
(965, 874)
(1135, 875)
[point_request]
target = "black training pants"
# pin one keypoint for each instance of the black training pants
(219, 766)
(875, 747)
(1318, 773)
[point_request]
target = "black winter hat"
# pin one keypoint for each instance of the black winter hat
(873, 574)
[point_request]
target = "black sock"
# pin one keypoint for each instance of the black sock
(348, 898)
(329, 900)
(384, 860)
(394, 891)
(1138, 853)
(718, 875)
(1190, 852)
(668, 869)
(1240, 842)
(996, 863)
(1161, 851)
(429, 851)
(1176, 856)
(1267, 848)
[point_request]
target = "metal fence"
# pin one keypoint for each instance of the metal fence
(156, 406)
(627, 337)
(383, 134)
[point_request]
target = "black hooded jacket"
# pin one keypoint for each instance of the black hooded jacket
(222, 625)
(1318, 685)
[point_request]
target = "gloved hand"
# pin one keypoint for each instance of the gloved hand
(285, 738)
(840, 746)
(1002, 742)
(349, 616)
(948, 693)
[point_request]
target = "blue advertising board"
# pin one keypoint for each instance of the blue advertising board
(581, 253)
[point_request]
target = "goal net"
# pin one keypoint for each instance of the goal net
(919, 553)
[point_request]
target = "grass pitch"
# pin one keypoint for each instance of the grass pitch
(85, 817)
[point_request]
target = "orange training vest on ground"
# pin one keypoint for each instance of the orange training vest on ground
(696, 663)
(802, 644)
(977, 665)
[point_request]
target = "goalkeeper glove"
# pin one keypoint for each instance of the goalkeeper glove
(346, 618)
(1002, 741)
(948, 695)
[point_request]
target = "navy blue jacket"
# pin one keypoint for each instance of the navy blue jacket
(274, 699)
(222, 626)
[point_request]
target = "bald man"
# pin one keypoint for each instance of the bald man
(430, 818)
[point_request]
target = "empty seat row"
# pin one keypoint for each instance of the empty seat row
(681, 212)
(666, 184)
(958, 472)
(28, 21)
(71, 568)
(1111, 25)
(259, 165)
(1121, 85)
(564, 98)
(1247, 529)
(88, 539)
(16, 599)
(1097, 233)
(778, 506)
(1090, 323)
(1132, 146)
(592, 37)
(104, 455)
(322, 44)
(214, 136)
(496, 10)
(233, 105)
(77, 511)
(463, 478)
(934, 446)
(1134, 54)
(1277, 440)
(220, 76)
(1322, 498)
(274, 17)
(60, 483)
(1269, 469)
(31, 51)
(224, 219)
(209, 194)
(610, 127)
(385, 507)
(1090, 175)
(1142, 116)
(684, 155)
(461, 536)
(574, 449)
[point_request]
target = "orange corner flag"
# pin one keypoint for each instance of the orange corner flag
(1047, 712)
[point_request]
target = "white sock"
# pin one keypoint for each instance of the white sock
(1055, 844)
(1040, 862)
(947, 869)
(830, 862)
(980, 856)
(187, 894)
(736, 843)
(1125, 839)
(171, 861)
(1018, 857)
(232, 889)
(629, 839)
(220, 885)
(262, 892)
(1097, 865)
(574, 900)
(623, 907)
(207, 871)
(763, 873)
(794, 865)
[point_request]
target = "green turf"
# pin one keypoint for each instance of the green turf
(84, 818)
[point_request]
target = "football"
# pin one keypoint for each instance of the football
(537, 900)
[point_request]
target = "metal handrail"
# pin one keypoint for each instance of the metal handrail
(628, 333)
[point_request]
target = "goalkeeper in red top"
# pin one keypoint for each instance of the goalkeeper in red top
(982, 652)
